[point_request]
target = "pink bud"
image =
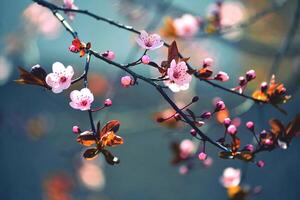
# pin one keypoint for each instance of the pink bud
(206, 115)
(232, 130)
(222, 76)
(260, 163)
(73, 49)
(250, 125)
(76, 129)
(227, 122)
(249, 147)
(200, 123)
(126, 81)
(193, 132)
(108, 102)
(242, 81)
(110, 55)
(202, 156)
(250, 75)
(177, 116)
(207, 62)
(263, 86)
(220, 105)
(268, 141)
(146, 59)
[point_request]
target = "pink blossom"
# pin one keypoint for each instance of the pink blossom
(61, 77)
(69, 4)
(41, 20)
(149, 41)
(222, 76)
(82, 99)
(179, 79)
(250, 75)
(227, 121)
(207, 62)
(186, 26)
(108, 102)
(187, 147)
(260, 163)
(220, 105)
(76, 129)
(202, 156)
(232, 130)
(250, 125)
(249, 147)
(231, 177)
(110, 55)
(126, 81)
(146, 59)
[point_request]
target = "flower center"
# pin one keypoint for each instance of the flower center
(176, 74)
(149, 43)
(63, 79)
(84, 103)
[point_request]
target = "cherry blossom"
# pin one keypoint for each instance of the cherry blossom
(126, 81)
(231, 177)
(186, 26)
(61, 77)
(82, 99)
(149, 41)
(69, 4)
(41, 20)
(187, 147)
(179, 79)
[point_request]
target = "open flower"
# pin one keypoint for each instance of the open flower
(61, 77)
(231, 177)
(179, 78)
(149, 41)
(69, 4)
(186, 26)
(82, 99)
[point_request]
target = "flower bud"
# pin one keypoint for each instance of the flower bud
(250, 75)
(177, 116)
(227, 122)
(108, 102)
(242, 81)
(146, 59)
(76, 129)
(202, 156)
(207, 62)
(126, 81)
(206, 115)
(249, 147)
(250, 125)
(220, 105)
(232, 130)
(222, 76)
(110, 55)
(263, 86)
(193, 132)
(260, 164)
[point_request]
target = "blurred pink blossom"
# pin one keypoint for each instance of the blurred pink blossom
(186, 26)
(42, 20)
(69, 4)
(231, 177)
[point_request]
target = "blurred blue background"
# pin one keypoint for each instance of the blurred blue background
(39, 150)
